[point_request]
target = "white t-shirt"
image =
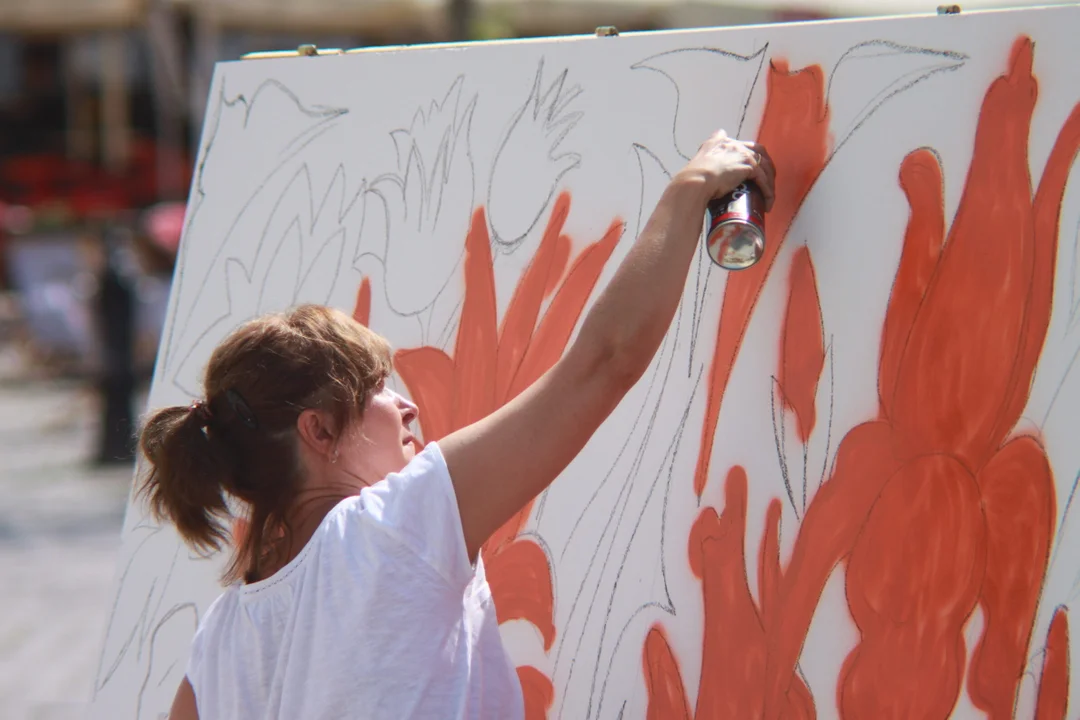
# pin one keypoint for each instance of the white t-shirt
(379, 616)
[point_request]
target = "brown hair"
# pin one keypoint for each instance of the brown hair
(241, 441)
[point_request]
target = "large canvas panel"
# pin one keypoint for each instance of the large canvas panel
(843, 486)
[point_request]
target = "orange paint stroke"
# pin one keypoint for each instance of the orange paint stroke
(476, 349)
(962, 349)
(667, 696)
(537, 691)
(912, 581)
(1047, 212)
(1018, 499)
(519, 575)
(923, 183)
(362, 310)
(795, 127)
(735, 649)
(1053, 702)
(769, 563)
(802, 345)
(733, 657)
(562, 257)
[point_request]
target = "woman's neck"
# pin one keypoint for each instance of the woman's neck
(304, 518)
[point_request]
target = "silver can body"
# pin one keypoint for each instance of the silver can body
(735, 236)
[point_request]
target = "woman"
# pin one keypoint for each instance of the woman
(357, 589)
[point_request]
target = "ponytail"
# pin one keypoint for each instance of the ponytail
(237, 451)
(187, 477)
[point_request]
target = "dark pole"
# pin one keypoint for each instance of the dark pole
(116, 308)
(460, 12)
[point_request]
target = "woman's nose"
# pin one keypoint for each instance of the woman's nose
(409, 411)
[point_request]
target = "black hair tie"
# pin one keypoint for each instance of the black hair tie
(241, 409)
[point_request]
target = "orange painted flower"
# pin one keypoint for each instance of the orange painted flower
(937, 506)
(491, 364)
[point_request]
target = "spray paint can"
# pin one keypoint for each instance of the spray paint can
(735, 235)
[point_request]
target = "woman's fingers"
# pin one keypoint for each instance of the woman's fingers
(764, 173)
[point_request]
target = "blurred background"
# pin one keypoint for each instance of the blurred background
(101, 104)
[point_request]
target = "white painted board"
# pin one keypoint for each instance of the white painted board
(843, 487)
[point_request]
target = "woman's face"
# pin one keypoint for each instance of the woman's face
(380, 443)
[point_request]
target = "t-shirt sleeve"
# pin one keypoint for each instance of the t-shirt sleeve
(193, 671)
(194, 663)
(418, 506)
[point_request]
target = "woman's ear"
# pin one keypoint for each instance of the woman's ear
(316, 430)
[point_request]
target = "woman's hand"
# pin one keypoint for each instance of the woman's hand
(722, 163)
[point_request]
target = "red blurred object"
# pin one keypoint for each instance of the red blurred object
(164, 224)
(87, 191)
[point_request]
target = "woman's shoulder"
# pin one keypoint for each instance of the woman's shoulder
(417, 507)
(224, 603)
(217, 615)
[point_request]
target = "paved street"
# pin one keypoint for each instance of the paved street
(59, 532)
